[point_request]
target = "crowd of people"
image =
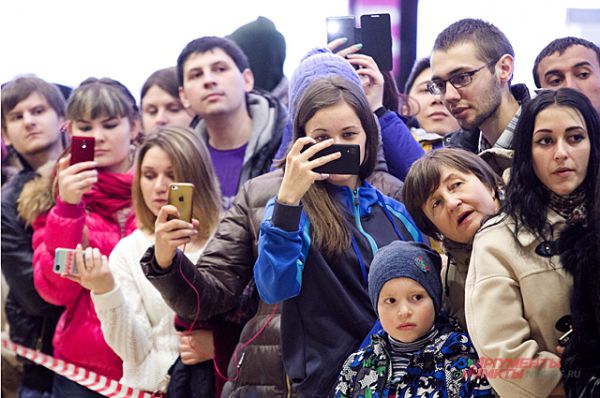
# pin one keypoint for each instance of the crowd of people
(460, 259)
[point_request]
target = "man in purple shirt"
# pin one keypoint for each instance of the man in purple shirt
(242, 127)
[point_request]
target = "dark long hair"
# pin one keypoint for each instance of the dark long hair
(527, 198)
(329, 231)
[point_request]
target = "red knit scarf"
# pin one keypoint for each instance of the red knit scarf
(112, 192)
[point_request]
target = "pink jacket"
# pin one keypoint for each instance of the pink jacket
(78, 337)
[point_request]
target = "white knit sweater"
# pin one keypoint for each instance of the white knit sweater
(136, 322)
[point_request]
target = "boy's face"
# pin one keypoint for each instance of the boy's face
(213, 85)
(459, 205)
(33, 126)
(405, 309)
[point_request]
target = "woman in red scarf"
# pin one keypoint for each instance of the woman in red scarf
(93, 208)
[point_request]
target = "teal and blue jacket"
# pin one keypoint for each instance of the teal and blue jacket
(326, 312)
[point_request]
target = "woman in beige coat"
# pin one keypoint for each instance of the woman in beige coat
(516, 288)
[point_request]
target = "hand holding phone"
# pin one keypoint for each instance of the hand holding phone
(180, 195)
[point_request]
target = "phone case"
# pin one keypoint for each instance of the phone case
(338, 27)
(180, 195)
(64, 261)
(82, 149)
(348, 163)
(376, 37)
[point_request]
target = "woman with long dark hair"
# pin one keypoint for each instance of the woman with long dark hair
(517, 290)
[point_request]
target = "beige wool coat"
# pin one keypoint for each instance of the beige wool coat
(513, 298)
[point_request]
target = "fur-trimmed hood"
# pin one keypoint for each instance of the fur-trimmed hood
(37, 196)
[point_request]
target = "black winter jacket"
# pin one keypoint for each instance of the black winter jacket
(581, 359)
(32, 321)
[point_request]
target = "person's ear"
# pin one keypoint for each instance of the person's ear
(505, 68)
(135, 128)
(248, 80)
(183, 98)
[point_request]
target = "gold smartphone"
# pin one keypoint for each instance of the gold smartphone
(180, 196)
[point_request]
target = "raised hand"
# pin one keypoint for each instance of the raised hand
(93, 272)
(371, 77)
(299, 174)
(75, 180)
(170, 234)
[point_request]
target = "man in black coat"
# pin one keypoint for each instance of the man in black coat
(32, 114)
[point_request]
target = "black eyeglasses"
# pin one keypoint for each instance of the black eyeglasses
(438, 86)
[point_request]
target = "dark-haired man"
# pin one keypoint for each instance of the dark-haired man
(472, 67)
(570, 62)
(243, 128)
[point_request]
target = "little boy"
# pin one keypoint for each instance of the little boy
(417, 353)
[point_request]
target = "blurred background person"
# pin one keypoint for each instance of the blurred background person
(431, 123)
(265, 48)
(160, 102)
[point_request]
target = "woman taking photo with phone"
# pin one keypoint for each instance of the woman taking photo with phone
(517, 289)
(91, 207)
(136, 321)
(320, 233)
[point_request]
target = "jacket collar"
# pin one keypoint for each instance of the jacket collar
(526, 237)
(367, 197)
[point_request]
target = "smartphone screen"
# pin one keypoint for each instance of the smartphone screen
(376, 37)
(180, 195)
(338, 27)
(82, 149)
(348, 163)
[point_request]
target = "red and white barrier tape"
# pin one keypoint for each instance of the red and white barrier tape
(92, 380)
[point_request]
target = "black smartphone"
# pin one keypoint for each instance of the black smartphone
(82, 149)
(376, 37)
(338, 27)
(180, 195)
(348, 163)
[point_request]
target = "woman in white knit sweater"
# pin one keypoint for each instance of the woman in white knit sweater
(136, 322)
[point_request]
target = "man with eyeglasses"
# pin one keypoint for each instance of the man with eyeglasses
(472, 66)
(570, 62)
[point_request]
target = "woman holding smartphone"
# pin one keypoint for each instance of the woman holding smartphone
(91, 207)
(136, 321)
(517, 289)
(320, 233)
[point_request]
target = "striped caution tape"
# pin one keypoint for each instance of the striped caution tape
(92, 380)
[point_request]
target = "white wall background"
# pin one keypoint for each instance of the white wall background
(67, 41)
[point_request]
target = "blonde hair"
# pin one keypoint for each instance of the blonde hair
(191, 163)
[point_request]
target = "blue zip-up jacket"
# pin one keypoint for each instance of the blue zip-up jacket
(326, 311)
